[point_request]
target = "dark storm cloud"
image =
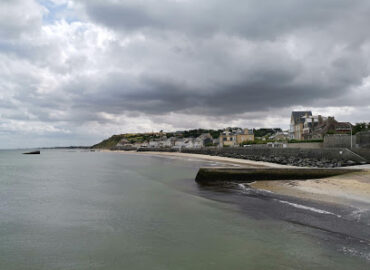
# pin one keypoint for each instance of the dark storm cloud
(268, 76)
(271, 90)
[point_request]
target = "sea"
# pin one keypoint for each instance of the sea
(76, 209)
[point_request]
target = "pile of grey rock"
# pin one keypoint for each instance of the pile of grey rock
(294, 161)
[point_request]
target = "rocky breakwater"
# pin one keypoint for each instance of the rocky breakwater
(321, 158)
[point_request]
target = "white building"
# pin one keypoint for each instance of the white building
(153, 144)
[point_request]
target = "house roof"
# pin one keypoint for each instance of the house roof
(343, 126)
(297, 116)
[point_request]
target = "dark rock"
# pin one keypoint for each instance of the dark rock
(32, 153)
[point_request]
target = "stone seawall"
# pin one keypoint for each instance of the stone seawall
(339, 140)
(146, 149)
(333, 157)
(123, 148)
(313, 145)
(360, 140)
(363, 152)
(363, 139)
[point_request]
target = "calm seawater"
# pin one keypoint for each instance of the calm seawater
(97, 210)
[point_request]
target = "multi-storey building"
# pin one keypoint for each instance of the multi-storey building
(234, 137)
(297, 121)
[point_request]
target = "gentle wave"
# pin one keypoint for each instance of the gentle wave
(248, 189)
(242, 186)
(316, 210)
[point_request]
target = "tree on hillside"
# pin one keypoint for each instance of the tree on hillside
(360, 127)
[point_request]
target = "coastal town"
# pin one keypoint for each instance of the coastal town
(306, 131)
(311, 141)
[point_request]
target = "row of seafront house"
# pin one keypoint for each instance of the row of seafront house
(230, 137)
(304, 126)
(172, 142)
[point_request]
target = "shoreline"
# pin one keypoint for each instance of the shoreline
(224, 160)
(349, 190)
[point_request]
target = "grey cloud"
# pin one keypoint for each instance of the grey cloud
(248, 18)
(214, 61)
(322, 75)
(274, 80)
(18, 17)
(118, 15)
(158, 96)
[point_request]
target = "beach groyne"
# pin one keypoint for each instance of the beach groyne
(215, 176)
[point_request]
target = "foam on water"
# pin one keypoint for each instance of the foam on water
(312, 209)
(354, 252)
(358, 214)
(242, 186)
(247, 188)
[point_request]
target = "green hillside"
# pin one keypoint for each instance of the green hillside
(131, 138)
(110, 142)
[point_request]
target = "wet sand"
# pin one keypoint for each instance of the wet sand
(346, 189)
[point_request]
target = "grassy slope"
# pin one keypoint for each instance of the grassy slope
(110, 142)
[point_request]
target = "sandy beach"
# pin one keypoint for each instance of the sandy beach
(347, 189)
(223, 160)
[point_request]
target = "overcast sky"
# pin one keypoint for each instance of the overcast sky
(73, 72)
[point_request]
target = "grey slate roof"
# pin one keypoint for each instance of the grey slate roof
(297, 116)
